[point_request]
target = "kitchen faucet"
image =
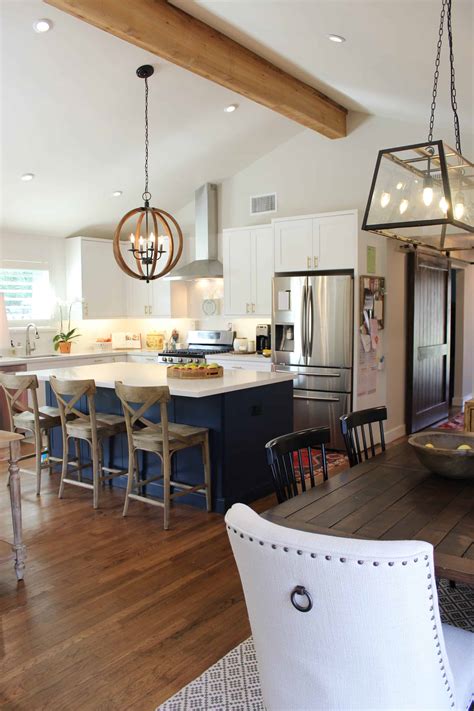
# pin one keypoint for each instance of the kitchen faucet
(28, 346)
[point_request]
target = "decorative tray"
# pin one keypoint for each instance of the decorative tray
(196, 372)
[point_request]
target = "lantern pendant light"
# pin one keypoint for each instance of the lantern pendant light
(153, 232)
(424, 193)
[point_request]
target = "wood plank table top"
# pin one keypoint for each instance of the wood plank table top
(392, 497)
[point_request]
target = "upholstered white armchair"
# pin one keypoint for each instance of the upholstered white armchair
(345, 623)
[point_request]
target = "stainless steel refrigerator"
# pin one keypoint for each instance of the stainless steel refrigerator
(312, 336)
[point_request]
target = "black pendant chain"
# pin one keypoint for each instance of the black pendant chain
(146, 195)
(445, 11)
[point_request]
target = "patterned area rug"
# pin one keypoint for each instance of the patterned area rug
(454, 423)
(232, 684)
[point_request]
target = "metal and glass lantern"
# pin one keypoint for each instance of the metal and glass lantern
(424, 193)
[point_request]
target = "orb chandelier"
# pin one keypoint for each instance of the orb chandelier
(424, 193)
(154, 233)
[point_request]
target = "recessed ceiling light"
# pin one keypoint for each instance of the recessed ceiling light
(27, 176)
(337, 38)
(42, 25)
(117, 193)
(231, 108)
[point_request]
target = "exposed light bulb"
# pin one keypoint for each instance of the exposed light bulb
(152, 239)
(400, 185)
(132, 238)
(384, 199)
(459, 206)
(403, 206)
(427, 196)
(443, 205)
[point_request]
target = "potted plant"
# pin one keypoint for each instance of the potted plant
(63, 340)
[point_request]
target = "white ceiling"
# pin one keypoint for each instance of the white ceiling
(72, 107)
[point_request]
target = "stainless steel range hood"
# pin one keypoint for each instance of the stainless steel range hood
(206, 265)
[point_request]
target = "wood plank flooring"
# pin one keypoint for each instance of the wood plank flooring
(114, 613)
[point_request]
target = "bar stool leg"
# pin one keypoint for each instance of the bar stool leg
(206, 458)
(64, 466)
(50, 464)
(77, 447)
(38, 448)
(15, 498)
(166, 464)
(96, 472)
(132, 463)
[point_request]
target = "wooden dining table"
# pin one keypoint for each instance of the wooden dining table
(392, 497)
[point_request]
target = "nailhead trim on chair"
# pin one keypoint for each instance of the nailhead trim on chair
(376, 563)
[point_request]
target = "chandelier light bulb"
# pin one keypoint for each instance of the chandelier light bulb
(152, 239)
(403, 206)
(132, 238)
(384, 199)
(443, 205)
(400, 185)
(428, 195)
(459, 207)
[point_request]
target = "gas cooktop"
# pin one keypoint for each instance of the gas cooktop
(201, 344)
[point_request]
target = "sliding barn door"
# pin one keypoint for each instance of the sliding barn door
(428, 339)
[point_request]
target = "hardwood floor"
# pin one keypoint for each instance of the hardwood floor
(113, 613)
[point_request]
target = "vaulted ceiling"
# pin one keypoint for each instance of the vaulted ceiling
(72, 107)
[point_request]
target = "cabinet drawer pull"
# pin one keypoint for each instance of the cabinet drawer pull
(316, 260)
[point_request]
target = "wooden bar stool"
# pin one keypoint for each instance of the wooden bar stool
(163, 439)
(39, 421)
(17, 549)
(92, 428)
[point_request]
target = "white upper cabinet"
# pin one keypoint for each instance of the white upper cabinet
(94, 276)
(316, 242)
(159, 298)
(337, 240)
(248, 270)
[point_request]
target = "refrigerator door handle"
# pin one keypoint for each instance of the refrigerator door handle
(317, 399)
(303, 322)
(310, 319)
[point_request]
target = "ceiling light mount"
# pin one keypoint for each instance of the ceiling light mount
(162, 234)
(43, 25)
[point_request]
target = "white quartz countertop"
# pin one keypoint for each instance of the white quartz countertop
(105, 375)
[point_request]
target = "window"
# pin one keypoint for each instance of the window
(27, 294)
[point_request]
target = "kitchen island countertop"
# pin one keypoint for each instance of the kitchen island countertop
(106, 374)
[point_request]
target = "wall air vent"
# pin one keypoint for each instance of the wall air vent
(261, 204)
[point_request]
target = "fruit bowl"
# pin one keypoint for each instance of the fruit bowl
(438, 451)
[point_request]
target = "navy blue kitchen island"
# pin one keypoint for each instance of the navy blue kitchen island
(242, 410)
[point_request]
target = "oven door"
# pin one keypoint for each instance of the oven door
(318, 408)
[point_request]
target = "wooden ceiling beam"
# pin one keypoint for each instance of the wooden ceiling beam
(174, 35)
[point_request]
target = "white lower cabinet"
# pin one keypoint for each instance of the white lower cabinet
(142, 358)
(248, 271)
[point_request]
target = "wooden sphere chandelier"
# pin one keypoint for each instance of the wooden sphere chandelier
(162, 234)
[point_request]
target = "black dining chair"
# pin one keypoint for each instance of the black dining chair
(355, 428)
(290, 458)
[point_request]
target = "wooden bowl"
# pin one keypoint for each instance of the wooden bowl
(444, 458)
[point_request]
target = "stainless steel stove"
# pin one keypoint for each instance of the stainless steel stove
(200, 345)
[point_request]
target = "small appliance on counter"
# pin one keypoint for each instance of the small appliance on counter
(263, 337)
(200, 345)
(241, 345)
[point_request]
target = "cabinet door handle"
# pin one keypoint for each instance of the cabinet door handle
(149, 311)
(253, 308)
(247, 308)
(86, 309)
(146, 310)
(308, 262)
(316, 262)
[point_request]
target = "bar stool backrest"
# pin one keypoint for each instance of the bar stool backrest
(68, 393)
(145, 398)
(16, 389)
